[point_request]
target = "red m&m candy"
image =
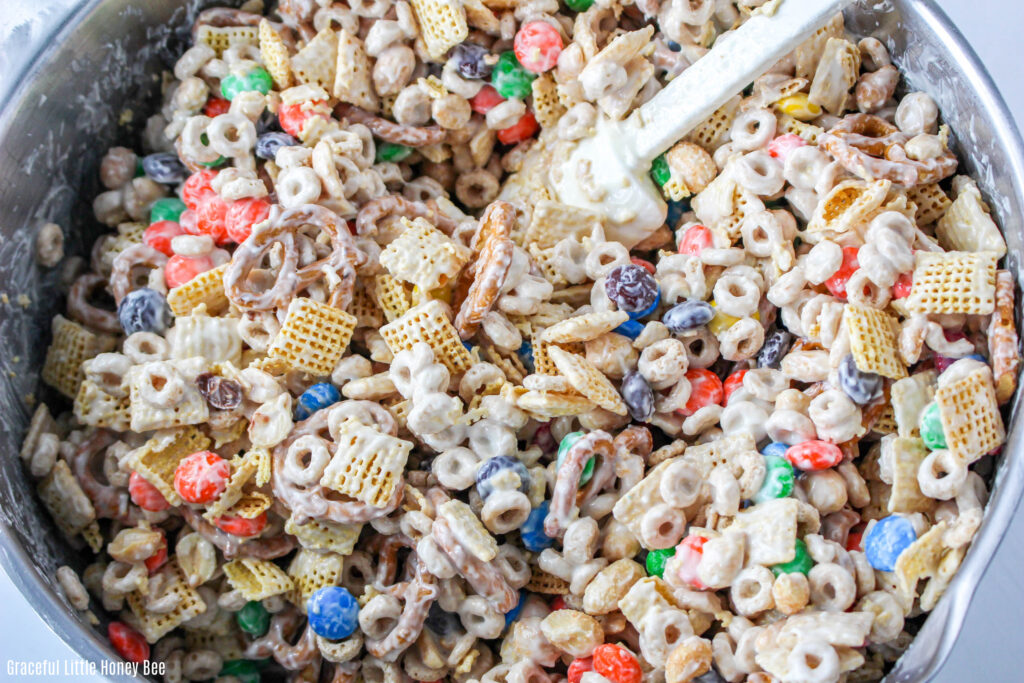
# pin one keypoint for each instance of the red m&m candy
(294, 117)
(579, 666)
(782, 146)
(705, 390)
(197, 188)
(180, 269)
(814, 455)
(485, 100)
(157, 559)
(904, 283)
(733, 382)
(696, 239)
(159, 236)
(537, 45)
(522, 129)
(688, 555)
(145, 495)
(837, 283)
(617, 664)
(201, 477)
(244, 214)
(215, 106)
(128, 642)
(241, 526)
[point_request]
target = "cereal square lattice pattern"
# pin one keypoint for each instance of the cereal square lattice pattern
(310, 571)
(367, 464)
(72, 344)
(352, 76)
(257, 579)
(220, 38)
(274, 54)
(206, 288)
(315, 63)
(97, 408)
(953, 282)
(313, 337)
(154, 626)
(442, 24)
(873, 341)
(429, 323)
(156, 460)
(588, 380)
(424, 256)
(970, 415)
(325, 535)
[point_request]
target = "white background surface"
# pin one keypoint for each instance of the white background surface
(990, 642)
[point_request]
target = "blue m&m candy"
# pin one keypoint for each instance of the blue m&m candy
(887, 540)
(514, 613)
(525, 354)
(487, 473)
(776, 448)
(333, 613)
(630, 329)
(532, 531)
(637, 315)
(316, 397)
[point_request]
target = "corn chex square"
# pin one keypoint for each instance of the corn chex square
(62, 496)
(156, 460)
(257, 579)
(251, 505)
(274, 54)
(711, 134)
(551, 222)
(469, 530)
(242, 470)
(633, 504)
(429, 323)
(808, 131)
(215, 339)
(546, 260)
(545, 100)
(547, 405)
(906, 458)
(313, 337)
(721, 451)
(72, 344)
(324, 535)
(206, 288)
(365, 309)
(849, 205)
(315, 63)
(953, 282)
(97, 408)
(220, 38)
(155, 626)
(442, 25)
(542, 362)
(393, 296)
(546, 584)
(970, 415)
(367, 464)
(588, 380)
(771, 529)
(508, 363)
(584, 327)
(931, 202)
(352, 81)
(151, 377)
(424, 256)
(310, 571)
(873, 341)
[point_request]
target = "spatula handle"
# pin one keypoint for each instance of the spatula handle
(736, 60)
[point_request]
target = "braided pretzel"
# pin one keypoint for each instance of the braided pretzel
(84, 312)
(132, 257)
(275, 643)
(491, 268)
(874, 149)
(410, 136)
(242, 281)
(418, 594)
(376, 210)
(311, 501)
(264, 548)
(567, 480)
(483, 577)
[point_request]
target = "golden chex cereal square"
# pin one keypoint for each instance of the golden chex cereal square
(365, 309)
(242, 470)
(584, 327)
(97, 408)
(509, 363)
(72, 344)
(873, 341)
(316, 62)
(424, 256)
(206, 288)
(274, 54)
(546, 405)
(220, 38)
(970, 415)
(931, 202)
(906, 458)
(313, 337)
(429, 323)
(442, 24)
(69, 507)
(546, 584)
(551, 222)
(711, 133)
(953, 282)
(367, 464)
(352, 82)
(156, 460)
(215, 339)
(324, 535)
(257, 579)
(588, 380)
(393, 296)
(310, 571)
(849, 205)
(545, 100)
(189, 604)
(721, 451)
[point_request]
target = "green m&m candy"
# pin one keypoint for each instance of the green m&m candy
(800, 564)
(244, 670)
(166, 209)
(778, 479)
(656, 560)
(660, 172)
(509, 77)
(258, 79)
(579, 5)
(253, 618)
(390, 151)
(568, 441)
(931, 427)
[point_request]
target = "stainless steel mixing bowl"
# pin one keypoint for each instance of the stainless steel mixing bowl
(90, 83)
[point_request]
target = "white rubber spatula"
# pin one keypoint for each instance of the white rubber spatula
(615, 161)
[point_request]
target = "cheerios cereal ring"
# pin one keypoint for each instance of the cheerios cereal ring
(873, 148)
(410, 136)
(86, 313)
(491, 268)
(283, 227)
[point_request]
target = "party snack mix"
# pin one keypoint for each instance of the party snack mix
(374, 404)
